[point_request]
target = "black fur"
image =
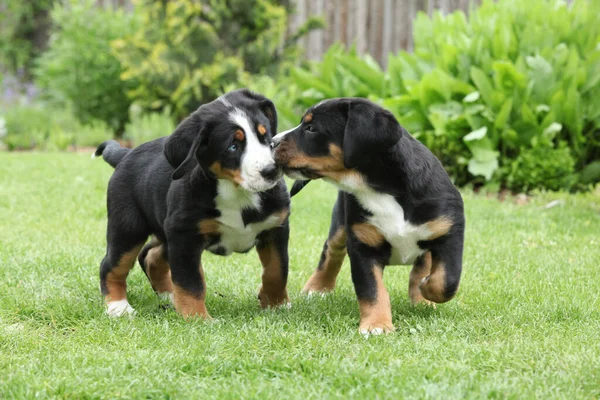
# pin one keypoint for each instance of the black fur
(111, 152)
(390, 161)
(165, 188)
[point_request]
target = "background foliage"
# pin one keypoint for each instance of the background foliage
(79, 69)
(185, 52)
(23, 26)
(510, 96)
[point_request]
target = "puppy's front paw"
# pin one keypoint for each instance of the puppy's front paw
(119, 308)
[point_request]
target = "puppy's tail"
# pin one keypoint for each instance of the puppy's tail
(112, 152)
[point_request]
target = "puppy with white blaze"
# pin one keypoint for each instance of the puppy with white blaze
(396, 205)
(212, 185)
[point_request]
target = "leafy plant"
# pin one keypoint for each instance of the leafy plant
(510, 96)
(43, 127)
(79, 69)
(185, 52)
(23, 26)
(144, 127)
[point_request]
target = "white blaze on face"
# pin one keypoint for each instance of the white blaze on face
(257, 156)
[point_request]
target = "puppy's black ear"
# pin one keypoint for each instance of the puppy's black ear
(188, 162)
(370, 130)
(181, 140)
(268, 108)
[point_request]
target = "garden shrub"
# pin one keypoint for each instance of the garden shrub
(144, 127)
(509, 96)
(23, 28)
(79, 68)
(48, 128)
(185, 52)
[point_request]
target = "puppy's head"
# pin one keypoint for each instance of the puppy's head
(229, 139)
(336, 139)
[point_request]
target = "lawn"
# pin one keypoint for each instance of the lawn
(525, 323)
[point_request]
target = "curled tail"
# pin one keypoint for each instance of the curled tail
(112, 152)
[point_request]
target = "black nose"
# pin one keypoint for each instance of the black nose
(270, 172)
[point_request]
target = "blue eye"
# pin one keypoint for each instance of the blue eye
(233, 148)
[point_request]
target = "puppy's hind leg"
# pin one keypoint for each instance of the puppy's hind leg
(420, 270)
(334, 251)
(154, 263)
(446, 266)
(123, 248)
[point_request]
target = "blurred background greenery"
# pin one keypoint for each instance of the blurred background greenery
(507, 95)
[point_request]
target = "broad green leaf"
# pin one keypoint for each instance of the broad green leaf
(483, 168)
(553, 129)
(306, 80)
(483, 84)
(471, 97)
(503, 115)
(476, 135)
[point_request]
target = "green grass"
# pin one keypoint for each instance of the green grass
(525, 323)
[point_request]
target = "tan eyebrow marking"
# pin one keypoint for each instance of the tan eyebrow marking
(261, 129)
(307, 118)
(239, 135)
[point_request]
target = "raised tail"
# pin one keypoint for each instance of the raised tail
(112, 152)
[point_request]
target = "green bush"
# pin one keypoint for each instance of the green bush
(185, 52)
(510, 96)
(46, 128)
(79, 68)
(144, 127)
(23, 26)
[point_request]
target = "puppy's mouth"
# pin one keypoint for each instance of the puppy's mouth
(302, 173)
(259, 187)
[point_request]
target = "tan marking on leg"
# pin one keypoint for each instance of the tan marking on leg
(273, 291)
(376, 315)
(209, 227)
(281, 215)
(188, 305)
(420, 270)
(324, 278)
(434, 286)
(116, 278)
(439, 227)
(159, 270)
(368, 234)
(261, 129)
(234, 175)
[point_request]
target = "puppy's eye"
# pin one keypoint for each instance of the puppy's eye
(233, 148)
(311, 128)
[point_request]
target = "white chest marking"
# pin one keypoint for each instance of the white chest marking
(235, 236)
(388, 218)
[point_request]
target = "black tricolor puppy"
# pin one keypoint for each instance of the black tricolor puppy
(396, 204)
(212, 185)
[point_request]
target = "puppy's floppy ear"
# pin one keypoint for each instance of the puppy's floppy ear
(268, 108)
(188, 162)
(178, 144)
(369, 130)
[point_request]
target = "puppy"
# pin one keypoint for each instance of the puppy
(396, 205)
(212, 185)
